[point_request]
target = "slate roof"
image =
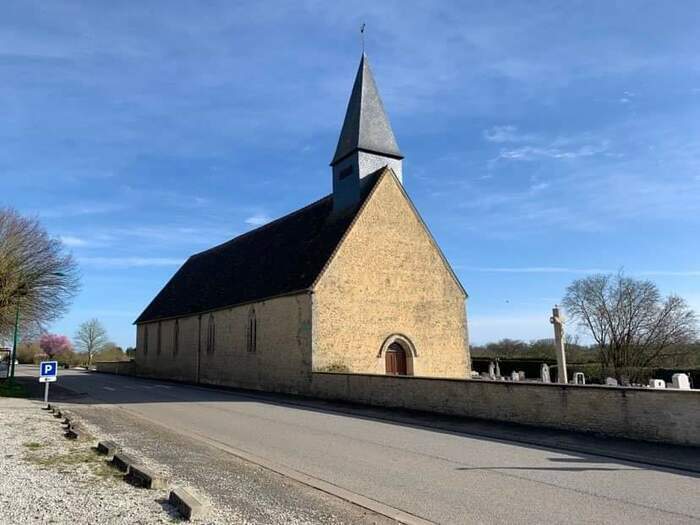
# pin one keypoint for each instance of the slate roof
(281, 257)
(366, 126)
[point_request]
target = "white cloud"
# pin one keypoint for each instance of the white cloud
(539, 186)
(129, 262)
(72, 241)
(529, 153)
(506, 133)
(258, 219)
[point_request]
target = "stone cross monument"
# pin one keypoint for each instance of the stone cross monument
(558, 322)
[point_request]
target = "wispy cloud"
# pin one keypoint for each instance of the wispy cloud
(129, 262)
(258, 219)
(72, 241)
(530, 153)
(507, 133)
(78, 209)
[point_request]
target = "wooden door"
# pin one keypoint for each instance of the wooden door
(396, 360)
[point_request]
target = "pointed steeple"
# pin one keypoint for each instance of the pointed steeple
(366, 126)
(366, 142)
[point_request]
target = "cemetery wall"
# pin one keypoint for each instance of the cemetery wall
(671, 416)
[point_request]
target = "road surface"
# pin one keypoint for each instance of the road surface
(438, 476)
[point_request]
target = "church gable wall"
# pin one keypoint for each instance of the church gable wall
(388, 278)
(279, 359)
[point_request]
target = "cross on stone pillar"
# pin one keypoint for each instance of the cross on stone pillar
(558, 322)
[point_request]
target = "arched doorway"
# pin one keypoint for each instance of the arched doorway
(395, 360)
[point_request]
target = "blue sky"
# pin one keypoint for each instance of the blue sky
(543, 140)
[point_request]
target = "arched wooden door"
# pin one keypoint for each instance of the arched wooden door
(395, 358)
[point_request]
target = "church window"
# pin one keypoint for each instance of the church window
(145, 339)
(345, 172)
(211, 334)
(252, 332)
(176, 336)
(160, 336)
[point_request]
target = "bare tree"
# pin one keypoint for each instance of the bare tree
(91, 338)
(632, 325)
(37, 276)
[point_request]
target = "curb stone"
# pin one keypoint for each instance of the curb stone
(75, 433)
(144, 477)
(187, 504)
(123, 461)
(108, 448)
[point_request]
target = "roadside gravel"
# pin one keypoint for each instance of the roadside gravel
(46, 478)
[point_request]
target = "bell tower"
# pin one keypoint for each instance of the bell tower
(366, 141)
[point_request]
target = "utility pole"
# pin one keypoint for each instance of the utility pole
(558, 322)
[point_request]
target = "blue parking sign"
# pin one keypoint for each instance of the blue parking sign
(48, 369)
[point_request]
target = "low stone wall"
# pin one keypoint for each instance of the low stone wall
(670, 416)
(124, 368)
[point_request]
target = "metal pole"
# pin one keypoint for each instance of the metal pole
(14, 345)
(46, 393)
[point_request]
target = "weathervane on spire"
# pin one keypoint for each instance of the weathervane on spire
(362, 37)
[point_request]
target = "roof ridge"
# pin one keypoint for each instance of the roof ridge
(264, 226)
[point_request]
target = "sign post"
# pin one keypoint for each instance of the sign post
(48, 372)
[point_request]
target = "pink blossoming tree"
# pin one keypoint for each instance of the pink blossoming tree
(54, 345)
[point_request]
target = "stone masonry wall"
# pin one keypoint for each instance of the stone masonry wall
(281, 361)
(389, 278)
(671, 416)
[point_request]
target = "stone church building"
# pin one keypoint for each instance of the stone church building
(353, 282)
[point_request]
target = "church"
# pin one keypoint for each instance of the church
(351, 283)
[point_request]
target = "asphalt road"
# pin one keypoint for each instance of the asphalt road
(438, 476)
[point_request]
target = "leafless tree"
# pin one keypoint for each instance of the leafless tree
(632, 325)
(37, 275)
(91, 338)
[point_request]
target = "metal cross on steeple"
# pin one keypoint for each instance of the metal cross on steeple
(362, 37)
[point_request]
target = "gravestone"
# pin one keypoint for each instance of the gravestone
(544, 373)
(514, 376)
(579, 378)
(657, 383)
(681, 381)
(492, 370)
(611, 381)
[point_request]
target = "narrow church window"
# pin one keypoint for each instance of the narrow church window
(176, 336)
(252, 332)
(346, 172)
(159, 337)
(145, 339)
(211, 334)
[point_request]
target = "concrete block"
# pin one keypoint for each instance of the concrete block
(108, 448)
(144, 477)
(187, 504)
(123, 461)
(75, 433)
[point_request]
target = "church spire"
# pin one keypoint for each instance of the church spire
(366, 126)
(366, 142)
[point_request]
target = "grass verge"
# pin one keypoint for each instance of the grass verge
(10, 388)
